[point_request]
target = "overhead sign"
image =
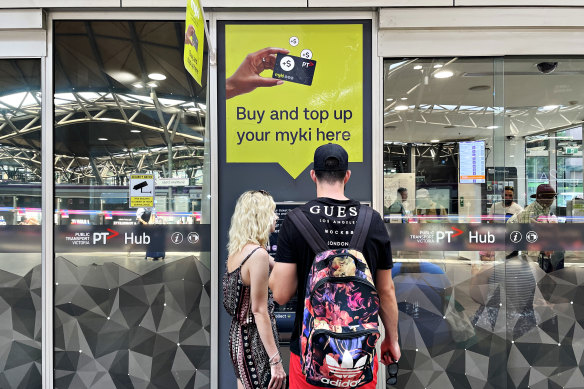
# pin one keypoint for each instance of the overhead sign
(172, 181)
(194, 43)
(141, 190)
(290, 88)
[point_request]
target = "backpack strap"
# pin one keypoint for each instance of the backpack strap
(307, 230)
(362, 228)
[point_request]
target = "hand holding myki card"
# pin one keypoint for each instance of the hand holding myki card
(294, 69)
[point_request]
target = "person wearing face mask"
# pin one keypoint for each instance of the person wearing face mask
(505, 209)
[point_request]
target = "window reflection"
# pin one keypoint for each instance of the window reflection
(20, 218)
(124, 104)
(432, 104)
(531, 122)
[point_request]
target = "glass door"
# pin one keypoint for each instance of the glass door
(487, 262)
(20, 223)
(443, 154)
(132, 215)
(543, 122)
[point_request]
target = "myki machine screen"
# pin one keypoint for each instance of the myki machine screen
(285, 314)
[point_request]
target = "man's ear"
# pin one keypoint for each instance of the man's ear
(347, 176)
(313, 176)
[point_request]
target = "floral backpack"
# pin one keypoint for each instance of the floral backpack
(339, 327)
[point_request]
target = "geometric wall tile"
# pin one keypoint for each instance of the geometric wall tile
(149, 330)
(528, 326)
(20, 322)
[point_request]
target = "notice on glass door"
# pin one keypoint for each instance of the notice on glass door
(472, 162)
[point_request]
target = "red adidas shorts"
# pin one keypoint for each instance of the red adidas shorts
(298, 381)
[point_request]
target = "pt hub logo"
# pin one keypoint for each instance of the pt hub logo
(104, 236)
(129, 238)
(475, 237)
(448, 235)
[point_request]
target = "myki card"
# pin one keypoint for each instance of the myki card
(294, 69)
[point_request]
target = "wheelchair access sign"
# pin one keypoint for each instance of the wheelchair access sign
(141, 190)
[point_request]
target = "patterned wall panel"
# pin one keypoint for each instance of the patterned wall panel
(20, 321)
(116, 328)
(507, 326)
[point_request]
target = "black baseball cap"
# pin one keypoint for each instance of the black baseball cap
(327, 151)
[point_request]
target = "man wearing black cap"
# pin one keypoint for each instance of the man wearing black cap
(540, 212)
(334, 217)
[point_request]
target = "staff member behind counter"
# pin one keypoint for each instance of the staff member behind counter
(503, 210)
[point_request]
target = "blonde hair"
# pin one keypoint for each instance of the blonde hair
(251, 221)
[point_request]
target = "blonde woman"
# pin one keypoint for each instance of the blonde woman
(253, 338)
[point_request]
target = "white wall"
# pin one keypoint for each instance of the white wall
(271, 4)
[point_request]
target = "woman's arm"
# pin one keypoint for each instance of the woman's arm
(258, 268)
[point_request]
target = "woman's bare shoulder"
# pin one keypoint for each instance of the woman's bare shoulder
(259, 255)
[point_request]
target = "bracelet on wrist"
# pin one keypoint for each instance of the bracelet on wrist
(275, 355)
(274, 363)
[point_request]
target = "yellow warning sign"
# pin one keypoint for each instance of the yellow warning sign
(141, 190)
(140, 202)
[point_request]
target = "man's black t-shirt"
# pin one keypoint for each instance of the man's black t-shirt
(335, 221)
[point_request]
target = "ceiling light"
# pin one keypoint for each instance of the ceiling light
(418, 67)
(435, 140)
(157, 76)
(122, 76)
(549, 107)
(404, 98)
(138, 85)
(152, 84)
(401, 107)
(443, 74)
(135, 131)
(511, 156)
(438, 66)
(491, 127)
(101, 138)
(388, 99)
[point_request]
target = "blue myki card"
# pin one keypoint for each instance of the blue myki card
(294, 69)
